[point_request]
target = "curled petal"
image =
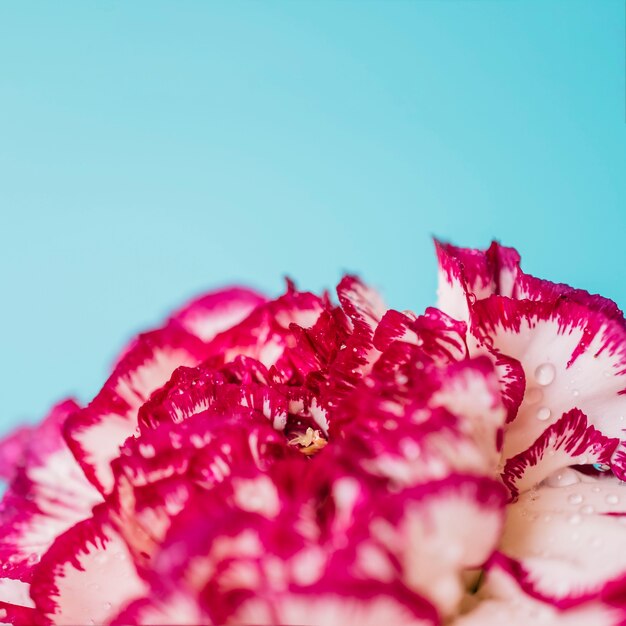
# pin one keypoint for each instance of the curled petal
(420, 527)
(569, 441)
(467, 275)
(87, 576)
(163, 607)
(502, 601)
(12, 451)
(213, 313)
(48, 494)
(572, 357)
(336, 603)
(96, 433)
(564, 541)
(441, 337)
(267, 333)
(441, 422)
(18, 615)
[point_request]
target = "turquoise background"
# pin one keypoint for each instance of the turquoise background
(150, 150)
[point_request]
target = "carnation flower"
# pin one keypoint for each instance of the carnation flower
(306, 460)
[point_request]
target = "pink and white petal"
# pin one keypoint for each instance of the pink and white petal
(501, 601)
(18, 615)
(532, 288)
(48, 495)
(15, 592)
(12, 450)
(87, 576)
(441, 337)
(469, 390)
(210, 314)
(439, 530)
(564, 541)
(572, 357)
(174, 608)
(569, 441)
(362, 304)
(96, 433)
(266, 334)
(467, 275)
(334, 607)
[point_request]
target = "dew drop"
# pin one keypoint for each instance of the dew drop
(545, 374)
(563, 478)
(575, 498)
(612, 499)
(544, 414)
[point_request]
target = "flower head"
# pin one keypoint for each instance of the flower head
(304, 460)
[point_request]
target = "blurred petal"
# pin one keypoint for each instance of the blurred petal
(48, 495)
(210, 314)
(96, 433)
(87, 576)
(564, 541)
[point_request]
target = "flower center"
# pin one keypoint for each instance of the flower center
(310, 441)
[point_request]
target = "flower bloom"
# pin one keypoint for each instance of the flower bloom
(304, 461)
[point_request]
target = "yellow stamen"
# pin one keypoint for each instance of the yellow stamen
(311, 441)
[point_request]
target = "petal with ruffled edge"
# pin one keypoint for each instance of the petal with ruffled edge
(48, 495)
(266, 333)
(501, 601)
(96, 433)
(393, 432)
(569, 441)
(158, 472)
(564, 541)
(173, 608)
(572, 357)
(337, 603)
(12, 450)
(18, 615)
(441, 337)
(16, 605)
(467, 275)
(87, 576)
(421, 528)
(210, 314)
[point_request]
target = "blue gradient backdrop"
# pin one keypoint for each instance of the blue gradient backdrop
(150, 150)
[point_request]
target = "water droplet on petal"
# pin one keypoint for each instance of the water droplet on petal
(612, 499)
(545, 374)
(544, 414)
(563, 478)
(575, 498)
